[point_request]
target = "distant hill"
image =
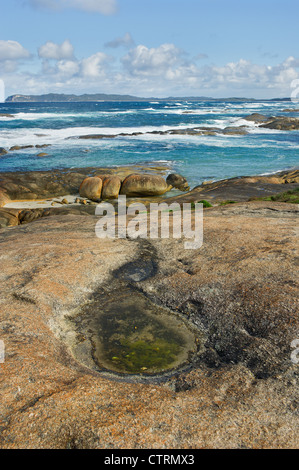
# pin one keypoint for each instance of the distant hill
(60, 97)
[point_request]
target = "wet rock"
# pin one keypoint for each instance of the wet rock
(279, 122)
(144, 185)
(241, 130)
(42, 154)
(256, 117)
(177, 181)
(282, 123)
(7, 115)
(91, 187)
(21, 147)
(3, 151)
(138, 270)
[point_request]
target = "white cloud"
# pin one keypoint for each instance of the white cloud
(12, 50)
(106, 7)
(94, 65)
(68, 67)
(126, 41)
(161, 71)
(142, 60)
(50, 50)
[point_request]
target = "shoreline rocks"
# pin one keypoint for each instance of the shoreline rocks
(43, 186)
(177, 181)
(282, 123)
(91, 188)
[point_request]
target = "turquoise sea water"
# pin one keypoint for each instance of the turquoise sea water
(198, 158)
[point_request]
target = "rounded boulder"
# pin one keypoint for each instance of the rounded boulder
(177, 181)
(111, 187)
(91, 187)
(144, 185)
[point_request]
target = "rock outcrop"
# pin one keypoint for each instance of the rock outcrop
(54, 183)
(274, 122)
(240, 290)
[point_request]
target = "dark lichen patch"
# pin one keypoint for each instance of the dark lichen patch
(137, 271)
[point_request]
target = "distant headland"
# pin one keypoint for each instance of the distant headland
(61, 97)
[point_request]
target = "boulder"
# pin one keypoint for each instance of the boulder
(21, 147)
(256, 117)
(30, 215)
(9, 217)
(3, 151)
(177, 181)
(111, 187)
(91, 187)
(144, 185)
(4, 198)
(42, 154)
(282, 123)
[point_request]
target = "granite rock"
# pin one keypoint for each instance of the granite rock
(240, 290)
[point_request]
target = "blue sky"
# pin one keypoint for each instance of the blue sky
(150, 47)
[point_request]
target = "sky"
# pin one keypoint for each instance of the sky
(150, 48)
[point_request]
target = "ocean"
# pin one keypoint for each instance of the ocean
(198, 158)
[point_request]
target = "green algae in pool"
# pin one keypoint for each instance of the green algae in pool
(133, 336)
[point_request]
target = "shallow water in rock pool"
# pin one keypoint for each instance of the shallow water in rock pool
(131, 335)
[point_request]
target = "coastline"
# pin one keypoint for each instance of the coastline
(239, 291)
(237, 386)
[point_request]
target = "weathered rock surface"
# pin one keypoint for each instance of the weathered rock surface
(4, 199)
(91, 188)
(240, 289)
(9, 217)
(144, 185)
(274, 122)
(55, 183)
(3, 151)
(242, 188)
(111, 187)
(177, 181)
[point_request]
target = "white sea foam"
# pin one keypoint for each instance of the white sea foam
(60, 116)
